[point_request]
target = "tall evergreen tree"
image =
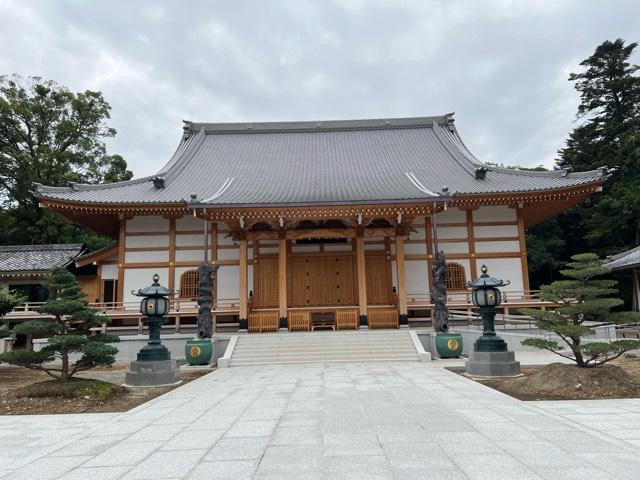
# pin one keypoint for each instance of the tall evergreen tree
(609, 136)
(69, 333)
(53, 136)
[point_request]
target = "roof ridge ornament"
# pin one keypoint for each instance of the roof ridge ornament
(186, 129)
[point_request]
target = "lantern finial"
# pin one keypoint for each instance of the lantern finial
(484, 269)
(156, 278)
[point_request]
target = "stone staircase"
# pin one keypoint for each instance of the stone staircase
(324, 346)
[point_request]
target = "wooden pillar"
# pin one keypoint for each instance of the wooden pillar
(524, 264)
(172, 253)
(400, 273)
(636, 289)
(362, 279)
(471, 241)
(122, 237)
(282, 282)
(243, 286)
(428, 235)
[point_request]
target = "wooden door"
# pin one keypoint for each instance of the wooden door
(265, 283)
(378, 273)
(320, 280)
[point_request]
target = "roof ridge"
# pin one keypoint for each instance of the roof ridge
(321, 125)
(50, 246)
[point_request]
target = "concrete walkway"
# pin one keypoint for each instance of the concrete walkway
(330, 421)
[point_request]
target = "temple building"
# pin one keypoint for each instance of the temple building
(328, 221)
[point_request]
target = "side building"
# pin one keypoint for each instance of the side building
(339, 218)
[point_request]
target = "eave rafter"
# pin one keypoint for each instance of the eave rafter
(536, 207)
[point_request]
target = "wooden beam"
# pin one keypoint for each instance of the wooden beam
(122, 238)
(214, 242)
(362, 280)
(524, 264)
(472, 245)
(243, 285)
(282, 278)
(400, 273)
(428, 231)
(172, 253)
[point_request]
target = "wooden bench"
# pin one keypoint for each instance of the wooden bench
(323, 320)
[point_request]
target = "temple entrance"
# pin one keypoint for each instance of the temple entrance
(321, 280)
(328, 279)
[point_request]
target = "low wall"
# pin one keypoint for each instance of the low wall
(129, 345)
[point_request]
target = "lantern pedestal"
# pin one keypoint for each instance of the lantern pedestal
(153, 373)
(492, 364)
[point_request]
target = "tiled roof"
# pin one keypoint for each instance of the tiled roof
(37, 258)
(319, 162)
(624, 260)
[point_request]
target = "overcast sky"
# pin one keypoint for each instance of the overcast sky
(501, 66)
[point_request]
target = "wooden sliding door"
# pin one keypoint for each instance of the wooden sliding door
(318, 280)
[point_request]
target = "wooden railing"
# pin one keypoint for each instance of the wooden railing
(382, 317)
(263, 321)
(463, 297)
(299, 320)
(347, 318)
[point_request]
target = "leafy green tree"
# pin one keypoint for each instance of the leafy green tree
(69, 333)
(8, 301)
(52, 136)
(583, 303)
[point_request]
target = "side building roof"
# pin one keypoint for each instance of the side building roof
(16, 260)
(327, 162)
(625, 260)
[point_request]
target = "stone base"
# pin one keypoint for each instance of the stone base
(153, 374)
(492, 364)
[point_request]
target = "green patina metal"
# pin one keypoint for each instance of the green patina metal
(198, 351)
(154, 305)
(449, 345)
(487, 297)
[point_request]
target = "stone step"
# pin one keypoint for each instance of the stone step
(316, 347)
(348, 358)
(333, 351)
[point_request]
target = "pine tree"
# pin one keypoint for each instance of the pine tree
(8, 301)
(583, 303)
(69, 333)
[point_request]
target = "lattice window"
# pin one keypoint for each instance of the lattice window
(189, 285)
(456, 278)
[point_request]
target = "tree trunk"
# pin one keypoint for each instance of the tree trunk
(64, 371)
(575, 348)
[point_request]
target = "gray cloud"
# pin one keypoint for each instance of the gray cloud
(501, 65)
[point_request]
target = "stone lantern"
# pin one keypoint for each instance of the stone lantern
(490, 357)
(154, 365)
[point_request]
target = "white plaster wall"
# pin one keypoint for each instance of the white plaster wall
(452, 232)
(495, 213)
(229, 254)
(191, 240)
(415, 249)
(228, 282)
(147, 241)
(373, 247)
(504, 269)
(109, 272)
(451, 215)
(189, 255)
(496, 231)
(136, 278)
(337, 247)
(148, 224)
(145, 257)
(454, 247)
(268, 250)
(490, 247)
(305, 248)
(419, 234)
(417, 278)
(189, 222)
(224, 240)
